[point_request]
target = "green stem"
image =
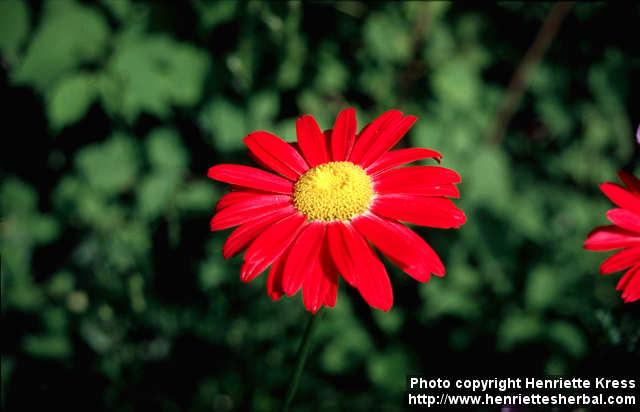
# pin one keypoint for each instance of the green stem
(301, 358)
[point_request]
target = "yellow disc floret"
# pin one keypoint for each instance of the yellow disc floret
(333, 191)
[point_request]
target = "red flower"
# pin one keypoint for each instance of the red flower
(338, 193)
(623, 234)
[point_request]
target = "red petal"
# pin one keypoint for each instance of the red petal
(332, 292)
(240, 195)
(331, 273)
(417, 189)
(344, 135)
(243, 235)
(359, 265)
(270, 245)
(276, 154)
(621, 197)
(416, 179)
(312, 296)
(320, 283)
(401, 245)
(241, 198)
(340, 238)
(419, 210)
(386, 139)
(312, 141)
(448, 190)
(370, 133)
(630, 181)
(625, 219)
(274, 280)
(245, 211)
(401, 157)
(250, 177)
(621, 260)
(610, 238)
(376, 288)
(630, 285)
(304, 251)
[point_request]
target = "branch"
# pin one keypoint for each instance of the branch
(518, 83)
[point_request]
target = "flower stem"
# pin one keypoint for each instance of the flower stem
(301, 358)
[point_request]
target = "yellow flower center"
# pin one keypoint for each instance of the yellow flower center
(333, 191)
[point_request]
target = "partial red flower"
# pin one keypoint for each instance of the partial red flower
(623, 235)
(338, 194)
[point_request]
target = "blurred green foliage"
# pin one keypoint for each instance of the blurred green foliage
(115, 294)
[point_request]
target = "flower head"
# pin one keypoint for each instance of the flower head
(623, 235)
(337, 194)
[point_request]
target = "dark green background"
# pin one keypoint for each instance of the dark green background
(114, 292)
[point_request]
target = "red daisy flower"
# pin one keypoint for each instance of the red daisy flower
(338, 193)
(623, 234)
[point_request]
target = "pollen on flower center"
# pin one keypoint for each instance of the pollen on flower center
(333, 191)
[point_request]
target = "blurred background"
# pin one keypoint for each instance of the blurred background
(115, 295)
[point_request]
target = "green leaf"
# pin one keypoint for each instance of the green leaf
(518, 328)
(487, 179)
(568, 337)
(124, 10)
(56, 320)
(390, 322)
(527, 214)
(69, 34)
(542, 288)
(380, 83)
(310, 101)
(155, 193)
(47, 346)
(61, 284)
(214, 12)
(165, 151)
(457, 83)
(242, 64)
(109, 167)
(23, 228)
(226, 123)
(387, 38)
(99, 340)
(128, 245)
(441, 45)
(291, 69)
(17, 197)
(14, 27)
(388, 370)
(442, 298)
(70, 99)
(44, 229)
(153, 74)
(196, 196)
(291, 40)
(263, 108)
(211, 274)
(332, 75)
(340, 354)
